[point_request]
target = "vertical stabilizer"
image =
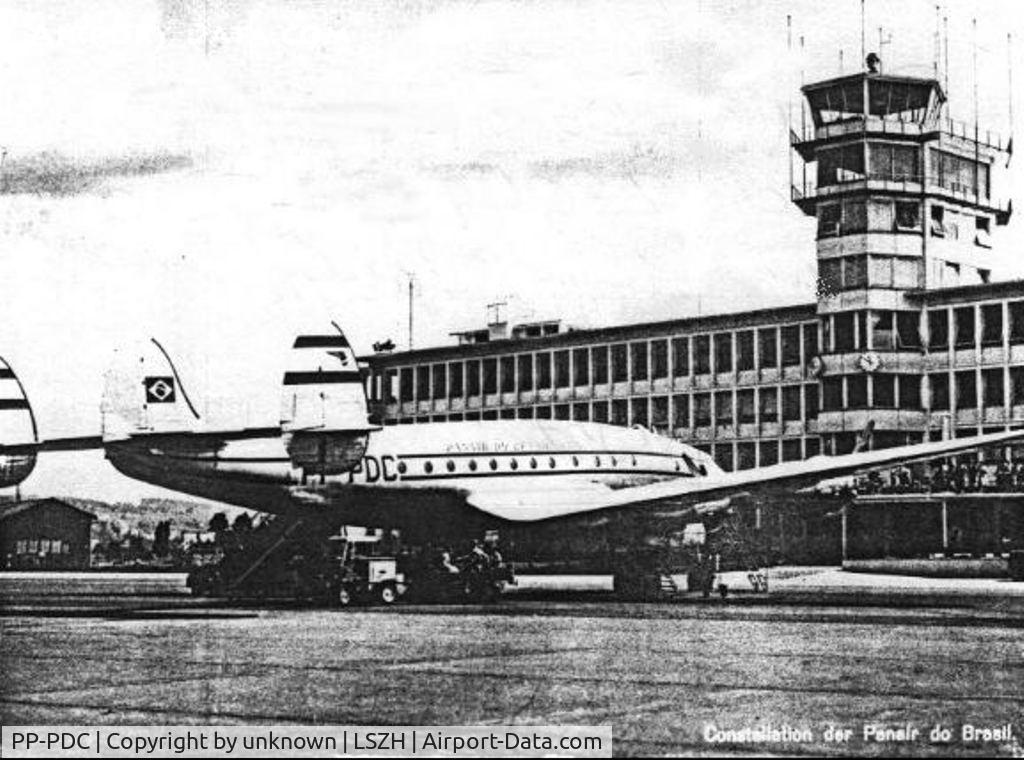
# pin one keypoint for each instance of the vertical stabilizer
(324, 414)
(143, 393)
(17, 428)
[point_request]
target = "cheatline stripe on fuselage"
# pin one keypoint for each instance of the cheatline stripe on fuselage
(318, 377)
(539, 473)
(471, 474)
(489, 473)
(6, 373)
(13, 403)
(544, 452)
(451, 455)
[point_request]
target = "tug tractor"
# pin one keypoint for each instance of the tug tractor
(368, 580)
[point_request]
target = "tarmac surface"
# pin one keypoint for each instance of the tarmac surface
(669, 677)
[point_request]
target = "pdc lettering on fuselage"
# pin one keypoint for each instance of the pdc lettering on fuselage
(373, 469)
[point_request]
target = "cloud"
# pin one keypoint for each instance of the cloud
(55, 174)
(640, 161)
(464, 170)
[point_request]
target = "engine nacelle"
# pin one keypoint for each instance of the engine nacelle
(15, 468)
(326, 453)
(17, 430)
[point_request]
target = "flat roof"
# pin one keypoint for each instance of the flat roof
(876, 77)
(684, 325)
(689, 325)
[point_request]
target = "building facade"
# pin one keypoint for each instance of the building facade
(906, 330)
(48, 534)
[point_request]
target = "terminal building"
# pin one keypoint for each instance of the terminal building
(907, 329)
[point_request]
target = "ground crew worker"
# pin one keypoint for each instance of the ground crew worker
(479, 556)
(493, 555)
(446, 562)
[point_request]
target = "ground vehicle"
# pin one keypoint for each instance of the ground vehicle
(308, 561)
(470, 582)
(369, 579)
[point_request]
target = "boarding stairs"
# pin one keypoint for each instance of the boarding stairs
(283, 528)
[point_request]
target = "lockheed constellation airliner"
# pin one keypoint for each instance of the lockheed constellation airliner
(535, 481)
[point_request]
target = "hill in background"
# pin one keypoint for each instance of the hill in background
(144, 516)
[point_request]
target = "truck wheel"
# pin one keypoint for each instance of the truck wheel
(388, 594)
(344, 597)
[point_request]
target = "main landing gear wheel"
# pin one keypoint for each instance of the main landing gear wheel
(388, 594)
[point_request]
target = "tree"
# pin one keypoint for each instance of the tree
(243, 523)
(219, 523)
(162, 538)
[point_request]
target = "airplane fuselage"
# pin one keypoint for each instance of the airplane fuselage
(416, 476)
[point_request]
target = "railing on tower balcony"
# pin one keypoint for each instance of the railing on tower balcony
(878, 126)
(808, 192)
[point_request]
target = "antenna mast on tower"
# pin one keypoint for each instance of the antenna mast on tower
(863, 39)
(412, 286)
(945, 54)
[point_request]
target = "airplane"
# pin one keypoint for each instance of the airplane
(625, 495)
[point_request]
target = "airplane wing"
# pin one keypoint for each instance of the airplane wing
(86, 442)
(709, 494)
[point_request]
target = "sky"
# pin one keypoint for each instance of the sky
(224, 174)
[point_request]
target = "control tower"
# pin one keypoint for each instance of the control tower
(905, 204)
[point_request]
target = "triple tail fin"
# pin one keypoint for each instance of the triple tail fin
(17, 429)
(324, 413)
(323, 387)
(143, 393)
